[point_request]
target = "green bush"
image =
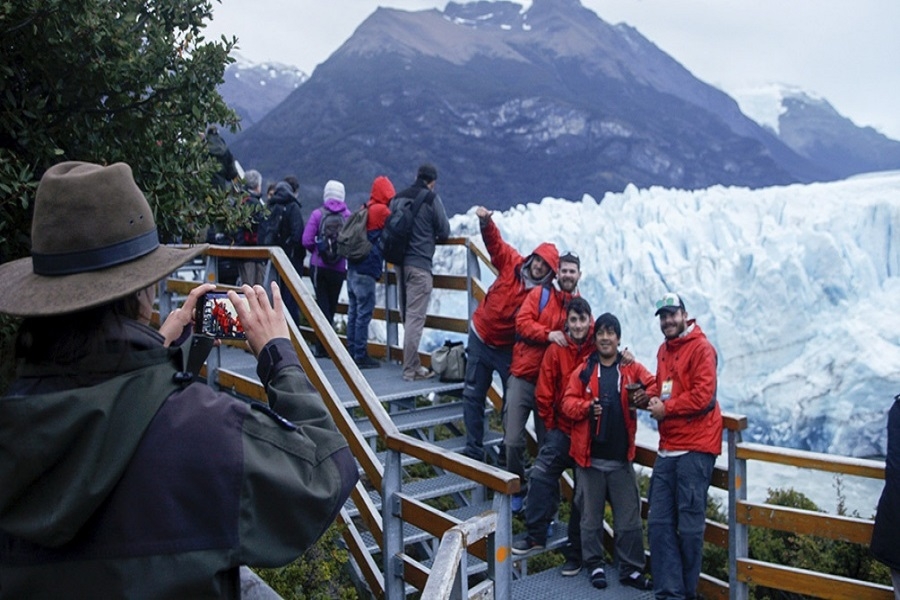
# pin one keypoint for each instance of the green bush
(320, 574)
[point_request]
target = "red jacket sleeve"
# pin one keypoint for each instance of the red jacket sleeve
(549, 388)
(695, 394)
(503, 256)
(528, 325)
(575, 402)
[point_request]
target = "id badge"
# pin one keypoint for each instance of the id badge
(666, 391)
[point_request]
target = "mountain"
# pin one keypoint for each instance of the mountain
(796, 286)
(815, 130)
(511, 106)
(254, 89)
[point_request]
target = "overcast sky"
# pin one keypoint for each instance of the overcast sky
(847, 51)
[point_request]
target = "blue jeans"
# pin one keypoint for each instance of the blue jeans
(543, 491)
(482, 361)
(361, 292)
(676, 522)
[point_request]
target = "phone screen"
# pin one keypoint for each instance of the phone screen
(218, 318)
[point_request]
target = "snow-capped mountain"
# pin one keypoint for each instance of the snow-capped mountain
(796, 286)
(254, 89)
(812, 128)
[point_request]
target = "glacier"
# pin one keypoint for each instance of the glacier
(796, 286)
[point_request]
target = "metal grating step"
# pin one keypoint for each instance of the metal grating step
(549, 584)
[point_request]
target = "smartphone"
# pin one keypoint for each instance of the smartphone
(217, 317)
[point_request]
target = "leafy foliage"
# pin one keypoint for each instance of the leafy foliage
(107, 81)
(320, 574)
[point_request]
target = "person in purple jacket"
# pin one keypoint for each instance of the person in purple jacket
(327, 269)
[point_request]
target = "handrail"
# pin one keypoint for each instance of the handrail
(450, 562)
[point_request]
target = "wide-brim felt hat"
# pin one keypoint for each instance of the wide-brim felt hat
(94, 240)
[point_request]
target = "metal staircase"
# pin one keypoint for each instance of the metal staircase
(425, 520)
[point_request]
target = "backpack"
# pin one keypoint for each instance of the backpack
(275, 230)
(330, 226)
(449, 361)
(398, 228)
(353, 240)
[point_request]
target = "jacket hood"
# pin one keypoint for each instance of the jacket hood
(334, 205)
(62, 452)
(382, 191)
(283, 193)
(550, 254)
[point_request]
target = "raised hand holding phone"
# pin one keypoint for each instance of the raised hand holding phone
(262, 321)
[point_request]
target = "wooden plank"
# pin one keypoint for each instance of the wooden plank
(873, 469)
(414, 572)
(437, 523)
(499, 480)
(795, 520)
(711, 588)
(810, 583)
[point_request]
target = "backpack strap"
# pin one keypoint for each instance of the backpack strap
(419, 201)
(545, 298)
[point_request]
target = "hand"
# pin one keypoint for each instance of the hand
(558, 338)
(262, 321)
(657, 408)
(641, 399)
(627, 356)
(483, 214)
(596, 408)
(183, 317)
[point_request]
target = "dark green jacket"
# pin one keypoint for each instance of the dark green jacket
(116, 481)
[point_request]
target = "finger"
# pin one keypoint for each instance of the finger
(277, 302)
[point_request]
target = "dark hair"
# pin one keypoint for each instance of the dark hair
(65, 339)
(427, 173)
(571, 257)
(609, 322)
(579, 306)
(293, 182)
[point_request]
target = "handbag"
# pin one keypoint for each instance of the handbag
(449, 361)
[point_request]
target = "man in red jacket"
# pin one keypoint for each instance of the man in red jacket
(540, 323)
(553, 457)
(690, 438)
(603, 430)
(493, 327)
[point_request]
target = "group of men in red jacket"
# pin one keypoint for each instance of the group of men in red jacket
(553, 360)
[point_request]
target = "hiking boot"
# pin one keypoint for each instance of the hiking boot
(570, 568)
(367, 362)
(525, 546)
(420, 374)
(598, 578)
(637, 580)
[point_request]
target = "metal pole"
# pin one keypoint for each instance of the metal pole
(738, 542)
(393, 528)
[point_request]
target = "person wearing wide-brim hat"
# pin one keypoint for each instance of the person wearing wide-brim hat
(119, 476)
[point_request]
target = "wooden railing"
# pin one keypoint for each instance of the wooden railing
(494, 548)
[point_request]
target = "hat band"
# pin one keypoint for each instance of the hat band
(69, 263)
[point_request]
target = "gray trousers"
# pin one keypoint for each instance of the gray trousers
(620, 487)
(519, 404)
(417, 284)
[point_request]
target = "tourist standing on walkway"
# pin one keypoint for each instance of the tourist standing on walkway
(327, 269)
(604, 424)
(540, 323)
(362, 276)
(122, 475)
(690, 438)
(542, 500)
(887, 520)
(429, 227)
(492, 330)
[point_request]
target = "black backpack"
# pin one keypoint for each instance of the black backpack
(327, 239)
(275, 229)
(399, 226)
(353, 240)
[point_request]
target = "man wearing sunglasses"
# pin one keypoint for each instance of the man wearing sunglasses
(690, 438)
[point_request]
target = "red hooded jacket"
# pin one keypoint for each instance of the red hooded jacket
(533, 325)
(382, 194)
(495, 318)
(583, 388)
(693, 418)
(558, 364)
